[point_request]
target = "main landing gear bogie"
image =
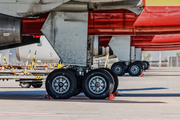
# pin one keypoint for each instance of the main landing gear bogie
(96, 84)
(134, 69)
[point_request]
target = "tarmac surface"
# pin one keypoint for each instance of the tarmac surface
(156, 96)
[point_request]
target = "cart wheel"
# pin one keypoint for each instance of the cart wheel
(25, 84)
(37, 84)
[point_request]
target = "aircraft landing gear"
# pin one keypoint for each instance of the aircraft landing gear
(134, 69)
(96, 84)
(69, 40)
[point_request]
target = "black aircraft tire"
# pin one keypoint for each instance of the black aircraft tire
(141, 63)
(116, 81)
(147, 64)
(135, 69)
(37, 84)
(61, 84)
(118, 68)
(98, 84)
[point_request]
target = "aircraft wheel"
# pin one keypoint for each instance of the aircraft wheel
(61, 84)
(146, 64)
(116, 81)
(37, 84)
(118, 68)
(135, 69)
(141, 63)
(98, 84)
(25, 84)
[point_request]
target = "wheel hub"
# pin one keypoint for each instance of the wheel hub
(118, 69)
(60, 84)
(97, 84)
(134, 69)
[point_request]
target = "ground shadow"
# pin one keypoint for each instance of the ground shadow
(147, 75)
(38, 95)
(150, 95)
(141, 89)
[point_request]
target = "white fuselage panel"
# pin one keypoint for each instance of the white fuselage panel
(31, 8)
